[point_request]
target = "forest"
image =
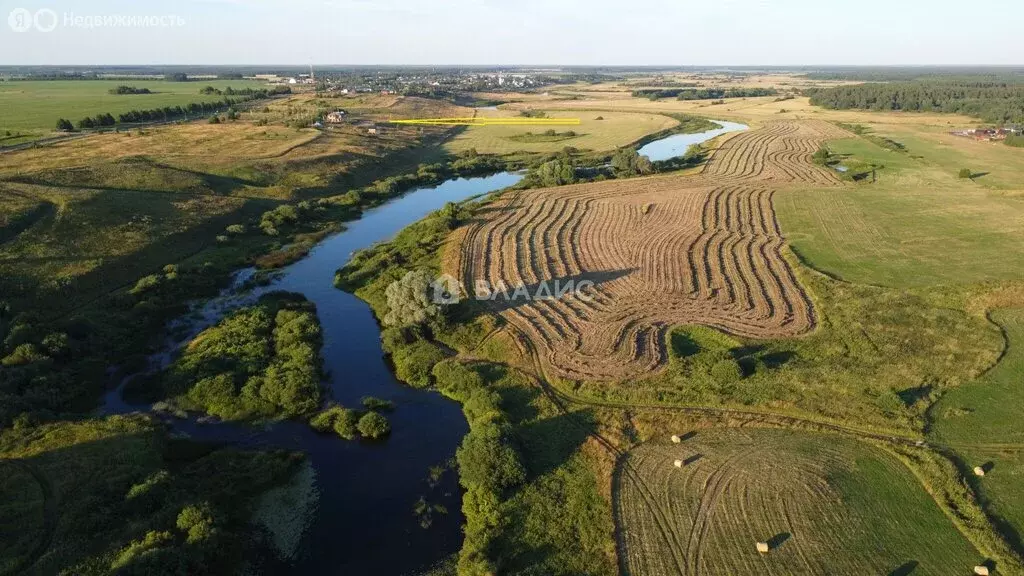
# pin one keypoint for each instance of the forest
(997, 102)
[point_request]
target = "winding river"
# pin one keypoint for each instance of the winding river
(678, 144)
(364, 523)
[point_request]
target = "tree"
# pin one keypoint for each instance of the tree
(822, 156)
(214, 119)
(86, 123)
(556, 173)
(65, 125)
(372, 425)
(966, 173)
(410, 300)
(629, 162)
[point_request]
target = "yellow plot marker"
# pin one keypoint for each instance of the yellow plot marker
(490, 121)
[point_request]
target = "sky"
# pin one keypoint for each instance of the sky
(511, 32)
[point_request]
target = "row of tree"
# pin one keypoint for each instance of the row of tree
(263, 92)
(703, 93)
(996, 102)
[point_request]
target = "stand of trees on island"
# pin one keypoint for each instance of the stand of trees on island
(166, 113)
(129, 90)
(703, 93)
(998, 102)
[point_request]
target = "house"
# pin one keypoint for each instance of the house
(335, 117)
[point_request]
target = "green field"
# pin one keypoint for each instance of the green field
(824, 504)
(981, 421)
(918, 226)
(33, 106)
(614, 130)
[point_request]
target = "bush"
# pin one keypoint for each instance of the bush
(413, 363)
(965, 173)
(376, 404)
(146, 283)
(372, 425)
(345, 424)
(196, 521)
(488, 460)
(726, 371)
(23, 354)
(337, 419)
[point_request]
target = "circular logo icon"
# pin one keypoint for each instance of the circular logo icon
(45, 20)
(20, 20)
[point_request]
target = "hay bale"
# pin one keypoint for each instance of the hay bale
(679, 463)
(676, 439)
(979, 471)
(762, 547)
(981, 570)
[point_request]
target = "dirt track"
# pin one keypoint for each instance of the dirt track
(660, 252)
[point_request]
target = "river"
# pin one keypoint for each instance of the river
(364, 523)
(678, 144)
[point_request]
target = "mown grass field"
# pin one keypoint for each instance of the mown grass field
(825, 505)
(33, 106)
(615, 130)
(919, 225)
(981, 421)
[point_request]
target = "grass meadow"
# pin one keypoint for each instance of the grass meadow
(919, 225)
(33, 106)
(980, 420)
(824, 504)
(614, 130)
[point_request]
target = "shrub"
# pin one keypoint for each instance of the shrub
(214, 120)
(235, 229)
(726, 371)
(487, 459)
(341, 421)
(196, 521)
(146, 283)
(345, 424)
(372, 425)
(377, 404)
(24, 354)
(965, 173)
(137, 549)
(413, 363)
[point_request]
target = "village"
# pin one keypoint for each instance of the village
(990, 134)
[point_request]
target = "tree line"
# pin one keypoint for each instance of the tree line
(703, 93)
(998, 102)
(170, 112)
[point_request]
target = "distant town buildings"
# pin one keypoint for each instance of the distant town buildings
(988, 134)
